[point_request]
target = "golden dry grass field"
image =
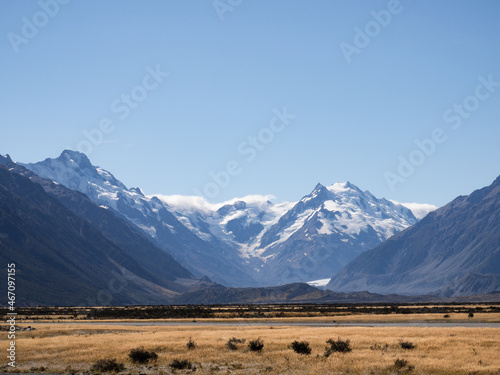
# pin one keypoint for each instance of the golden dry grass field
(74, 348)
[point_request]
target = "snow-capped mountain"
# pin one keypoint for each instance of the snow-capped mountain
(296, 241)
(246, 241)
(214, 259)
(326, 230)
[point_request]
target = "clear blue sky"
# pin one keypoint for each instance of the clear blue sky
(227, 76)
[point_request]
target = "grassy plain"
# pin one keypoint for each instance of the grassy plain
(70, 348)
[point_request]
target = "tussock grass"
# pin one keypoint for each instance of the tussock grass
(142, 356)
(301, 347)
(339, 346)
(449, 350)
(233, 342)
(181, 364)
(191, 344)
(256, 345)
(106, 365)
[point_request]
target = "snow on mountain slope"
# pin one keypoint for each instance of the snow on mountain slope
(240, 222)
(219, 262)
(327, 229)
(319, 283)
(245, 241)
(342, 208)
(74, 170)
(295, 241)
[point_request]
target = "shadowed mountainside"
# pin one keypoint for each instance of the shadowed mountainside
(61, 258)
(454, 250)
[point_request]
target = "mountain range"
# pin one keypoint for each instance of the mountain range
(83, 237)
(249, 241)
(298, 241)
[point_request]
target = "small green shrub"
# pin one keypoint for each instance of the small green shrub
(471, 315)
(255, 345)
(446, 316)
(181, 364)
(339, 346)
(301, 347)
(107, 365)
(142, 356)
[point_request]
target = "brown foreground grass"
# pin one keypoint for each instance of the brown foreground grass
(65, 348)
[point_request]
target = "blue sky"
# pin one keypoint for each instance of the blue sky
(421, 71)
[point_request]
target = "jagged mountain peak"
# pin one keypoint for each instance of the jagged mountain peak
(319, 193)
(341, 186)
(79, 158)
(338, 188)
(4, 160)
(137, 190)
(148, 213)
(346, 188)
(341, 192)
(319, 187)
(74, 170)
(68, 160)
(329, 227)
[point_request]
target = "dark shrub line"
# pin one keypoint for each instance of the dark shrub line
(108, 365)
(301, 347)
(256, 345)
(339, 346)
(142, 356)
(181, 364)
(407, 345)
